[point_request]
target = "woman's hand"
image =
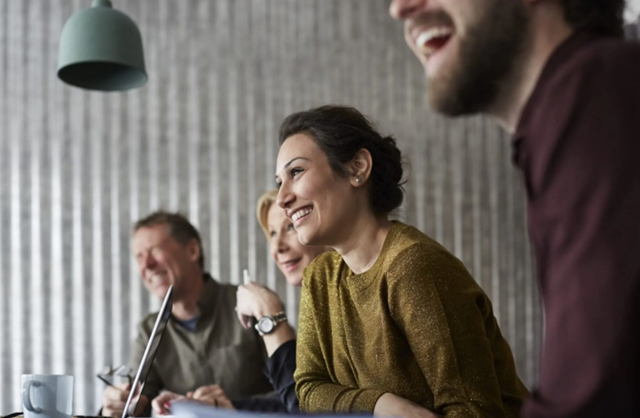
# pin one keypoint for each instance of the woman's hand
(162, 403)
(390, 405)
(211, 395)
(256, 301)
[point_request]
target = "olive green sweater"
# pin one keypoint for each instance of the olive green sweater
(416, 325)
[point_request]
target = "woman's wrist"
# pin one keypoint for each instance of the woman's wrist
(282, 334)
(384, 405)
(390, 405)
(269, 308)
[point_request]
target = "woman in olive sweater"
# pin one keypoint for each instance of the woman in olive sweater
(391, 322)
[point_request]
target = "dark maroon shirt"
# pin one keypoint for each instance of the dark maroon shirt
(578, 145)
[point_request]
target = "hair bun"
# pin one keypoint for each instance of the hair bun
(387, 192)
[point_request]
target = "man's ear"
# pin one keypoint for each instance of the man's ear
(360, 167)
(193, 250)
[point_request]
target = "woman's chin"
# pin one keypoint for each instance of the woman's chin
(294, 280)
(307, 237)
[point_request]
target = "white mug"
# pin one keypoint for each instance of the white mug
(47, 395)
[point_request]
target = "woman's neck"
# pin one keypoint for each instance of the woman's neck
(361, 248)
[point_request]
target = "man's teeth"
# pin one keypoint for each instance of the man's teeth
(299, 214)
(429, 35)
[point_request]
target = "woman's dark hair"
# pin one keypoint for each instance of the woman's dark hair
(604, 17)
(342, 131)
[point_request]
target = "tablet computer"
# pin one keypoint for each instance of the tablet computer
(149, 353)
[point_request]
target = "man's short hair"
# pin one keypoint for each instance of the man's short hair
(605, 17)
(179, 228)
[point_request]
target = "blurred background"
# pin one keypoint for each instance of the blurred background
(77, 168)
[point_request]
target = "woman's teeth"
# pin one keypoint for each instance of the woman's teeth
(300, 213)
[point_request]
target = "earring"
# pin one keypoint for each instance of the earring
(357, 179)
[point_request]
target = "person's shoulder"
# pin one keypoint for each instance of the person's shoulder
(407, 242)
(145, 326)
(226, 287)
(587, 90)
(610, 50)
(415, 254)
(218, 290)
(600, 60)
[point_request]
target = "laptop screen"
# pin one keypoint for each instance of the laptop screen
(149, 353)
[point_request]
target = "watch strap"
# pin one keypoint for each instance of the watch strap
(279, 317)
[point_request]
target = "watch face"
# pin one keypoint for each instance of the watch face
(266, 324)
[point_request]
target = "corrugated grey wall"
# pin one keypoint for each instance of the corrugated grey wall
(77, 168)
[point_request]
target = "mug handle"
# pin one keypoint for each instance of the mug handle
(26, 398)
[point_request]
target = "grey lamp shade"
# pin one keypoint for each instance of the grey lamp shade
(101, 49)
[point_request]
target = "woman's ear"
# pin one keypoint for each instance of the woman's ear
(360, 167)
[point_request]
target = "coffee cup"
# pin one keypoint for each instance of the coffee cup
(47, 395)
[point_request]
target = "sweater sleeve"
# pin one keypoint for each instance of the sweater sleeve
(315, 385)
(442, 312)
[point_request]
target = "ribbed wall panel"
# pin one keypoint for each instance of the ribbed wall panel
(78, 168)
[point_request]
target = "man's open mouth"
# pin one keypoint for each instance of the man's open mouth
(433, 39)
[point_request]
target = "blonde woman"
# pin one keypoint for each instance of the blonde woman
(256, 301)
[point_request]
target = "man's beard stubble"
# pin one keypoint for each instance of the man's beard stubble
(487, 55)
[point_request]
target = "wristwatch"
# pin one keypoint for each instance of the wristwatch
(267, 324)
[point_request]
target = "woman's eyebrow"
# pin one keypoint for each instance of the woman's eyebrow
(292, 160)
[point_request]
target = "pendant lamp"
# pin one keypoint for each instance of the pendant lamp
(101, 49)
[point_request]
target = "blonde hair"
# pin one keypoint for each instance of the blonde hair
(264, 204)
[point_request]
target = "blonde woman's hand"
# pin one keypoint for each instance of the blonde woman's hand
(211, 395)
(256, 301)
(161, 404)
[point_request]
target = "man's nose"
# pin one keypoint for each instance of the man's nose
(404, 9)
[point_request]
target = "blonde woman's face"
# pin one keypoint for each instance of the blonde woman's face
(290, 256)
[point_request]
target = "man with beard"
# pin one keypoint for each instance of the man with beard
(556, 75)
(204, 346)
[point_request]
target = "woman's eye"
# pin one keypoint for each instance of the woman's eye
(290, 228)
(295, 171)
(272, 234)
(278, 185)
